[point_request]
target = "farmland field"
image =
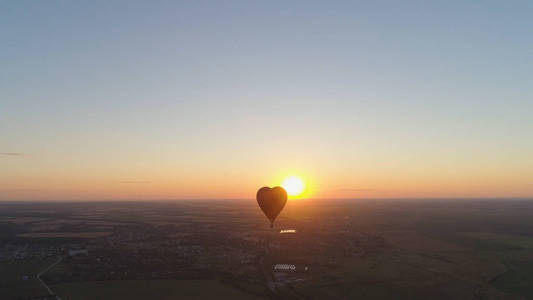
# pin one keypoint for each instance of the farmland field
(17, 279)
(64, 234)
(150, 289)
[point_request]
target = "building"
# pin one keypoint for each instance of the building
(75, 252)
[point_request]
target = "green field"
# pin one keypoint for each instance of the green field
(523, 242)
(149, 289)
(407, 276)
(12, 284)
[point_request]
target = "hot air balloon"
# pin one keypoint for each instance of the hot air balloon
(271, 201)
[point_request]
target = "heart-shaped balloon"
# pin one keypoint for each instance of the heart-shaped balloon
(272, 201)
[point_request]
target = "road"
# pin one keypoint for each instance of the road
(46, 270)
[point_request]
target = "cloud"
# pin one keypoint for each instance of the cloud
(21, 190)
(357, 190)
(11, 154)
(135, 182)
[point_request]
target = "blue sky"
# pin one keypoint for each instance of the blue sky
(375, 94)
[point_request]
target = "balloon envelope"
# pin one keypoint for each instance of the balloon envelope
(271, 201)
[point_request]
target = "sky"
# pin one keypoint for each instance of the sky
(140, 100)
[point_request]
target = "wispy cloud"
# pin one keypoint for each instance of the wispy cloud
(11, 154)
(357, 190)
(135, 182)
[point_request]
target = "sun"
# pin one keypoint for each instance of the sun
(294, 185)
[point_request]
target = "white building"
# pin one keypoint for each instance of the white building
(74, 252)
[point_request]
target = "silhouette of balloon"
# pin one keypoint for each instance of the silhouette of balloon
(271, 201)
